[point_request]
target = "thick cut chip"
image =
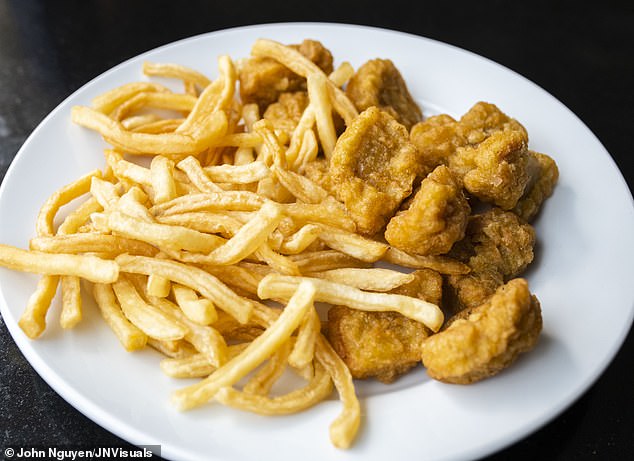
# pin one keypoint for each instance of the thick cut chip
(372, 169)
(436, 218)
(485, 340)
(379, 83)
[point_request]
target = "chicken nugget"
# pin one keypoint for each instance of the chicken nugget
(383, 344)
(544, 177)
(372, 169)
(496, 170)
(435, 219)
(379, 83)
(497, 246)
(486, 149)
(487, 339)
(262, 80)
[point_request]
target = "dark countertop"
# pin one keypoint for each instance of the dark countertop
(582, 55)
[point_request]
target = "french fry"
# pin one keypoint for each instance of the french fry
(258, 350)
(304, 348)
(344, 428)
(171, 144)
(85, 266)
(147, 318)
(204, 221)
(441, 264)
(157, 100)
(91, 243)
(173, 348)
(46, 216)
(193, 277)
(243, 156)
(199, 310)
(195, 365)
(33, 319)
(130, 336)
(319, 261)
(352, 244)
(320, 100)
(300, 240)
(282, 286)
(110, 100)
(240, 174)
(308, 151)
(214, 98)
(264, 378)
(278, 262)
(169, 70)
(191, 166)
(250, 236)
(162, 174)
(303, 127)
(325, 213)
(71, 302)
(138, 121)
(372, 279)
(300, 186)
(341, 74)
(164, 236)
(212, 201)
(319, 387)
(206, 339)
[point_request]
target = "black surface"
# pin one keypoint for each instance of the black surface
(583, 55)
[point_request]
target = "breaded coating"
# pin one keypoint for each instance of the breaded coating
(262, 80)
(383, 344)
(436, 139)
(284, 114)
(487, 339)
(544, 177)
(484, 119)
(497, 246)
(495, 170)
(486, 149)
(372, 169)
(435, 219)
(379, 83)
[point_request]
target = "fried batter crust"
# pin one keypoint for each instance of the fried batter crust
(545, 177)
(436, 217)
(262, 80)
(486, 149)
(383, 344)
(487, 339)
(379, 83)
(372, 169)
(495, 170)
(497, 246)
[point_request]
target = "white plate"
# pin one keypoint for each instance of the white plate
(582, 275)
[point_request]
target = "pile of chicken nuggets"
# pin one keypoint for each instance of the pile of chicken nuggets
(464, 188)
